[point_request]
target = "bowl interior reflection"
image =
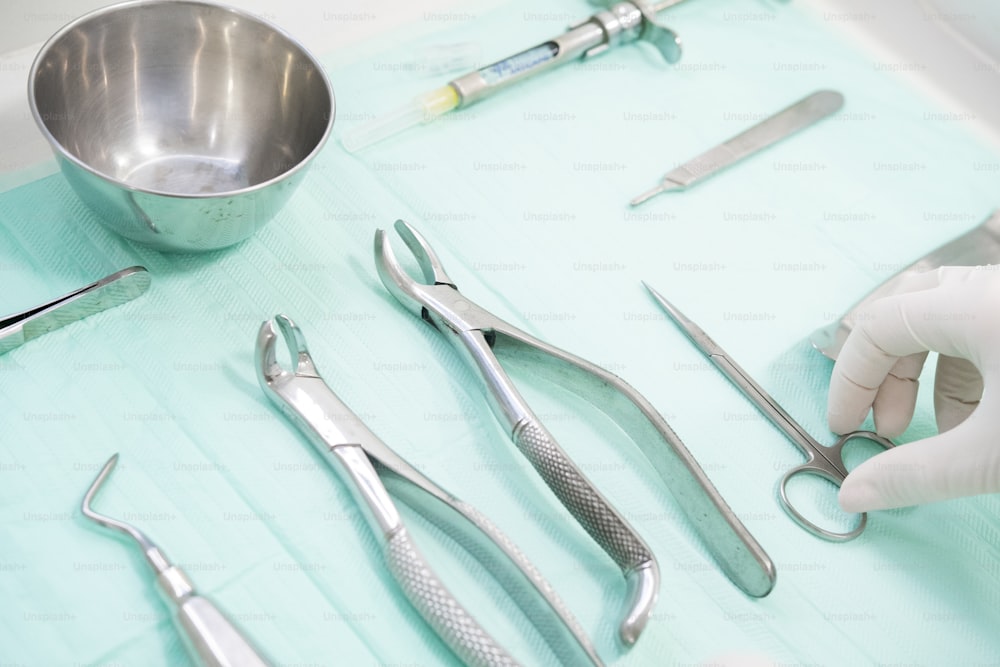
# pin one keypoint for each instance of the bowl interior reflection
(181, 98)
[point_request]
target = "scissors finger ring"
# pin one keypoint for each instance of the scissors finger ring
(825, 462)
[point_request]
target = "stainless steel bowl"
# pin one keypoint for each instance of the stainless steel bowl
(183, 125)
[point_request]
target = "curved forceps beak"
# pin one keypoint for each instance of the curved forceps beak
(269, 370)
(399, 283)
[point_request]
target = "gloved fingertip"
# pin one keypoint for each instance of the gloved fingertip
(841, 422)
(860, 497)
(891, 426)
(895, 401)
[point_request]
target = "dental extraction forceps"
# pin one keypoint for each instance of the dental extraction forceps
(211, 638)
(108, 292)
(367, 466)
(821, 461)
(481, 337)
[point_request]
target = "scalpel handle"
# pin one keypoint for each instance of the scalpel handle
(785, 123)
(108, 292)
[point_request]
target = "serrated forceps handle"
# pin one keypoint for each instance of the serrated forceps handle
(335, 431)
(471, 330)
(377, 475)
(601, 521)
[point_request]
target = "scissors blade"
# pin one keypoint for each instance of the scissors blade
(695, 333)
(739, 377)
(111, 291)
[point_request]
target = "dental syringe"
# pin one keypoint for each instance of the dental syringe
(621, 23)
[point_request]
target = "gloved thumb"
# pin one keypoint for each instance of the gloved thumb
(964, 461)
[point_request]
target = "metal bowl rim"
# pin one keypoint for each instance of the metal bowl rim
(109, 9)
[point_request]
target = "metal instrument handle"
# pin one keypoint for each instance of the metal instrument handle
(830, 466)
(575, 638)
(575, 491)
(578, 494)
(211, 638)
(449, 619)
(441, 611)
(473, 332)
(798, 116)
(335, 431)
(108, 292)
(505, 562)
(799, 518)
(732, 546)
(598, 518)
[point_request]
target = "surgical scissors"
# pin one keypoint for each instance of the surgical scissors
(482, 338)
(367, 466)
(212, 639)
(822, 461)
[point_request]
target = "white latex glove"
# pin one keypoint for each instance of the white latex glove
(954, 311)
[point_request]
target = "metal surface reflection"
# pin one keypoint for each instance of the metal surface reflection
(184, 125)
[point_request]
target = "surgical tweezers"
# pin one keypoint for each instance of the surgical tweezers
(367, 466)
(108, 292)
(212, 639)
(481, 337)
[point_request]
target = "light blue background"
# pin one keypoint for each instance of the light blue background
(524, 196)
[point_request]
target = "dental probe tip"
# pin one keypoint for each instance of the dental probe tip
(155, 558)
(95, 487)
